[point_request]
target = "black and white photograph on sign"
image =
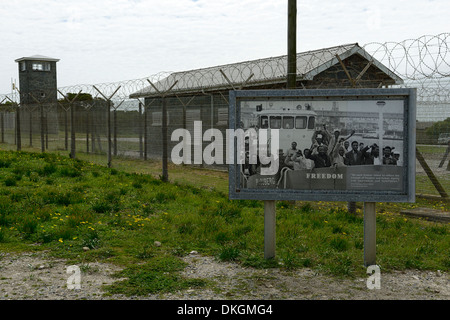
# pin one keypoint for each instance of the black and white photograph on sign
(327, 145)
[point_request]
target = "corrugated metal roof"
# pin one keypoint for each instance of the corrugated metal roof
(257, 72)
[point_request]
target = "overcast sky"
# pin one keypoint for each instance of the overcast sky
(100, 41)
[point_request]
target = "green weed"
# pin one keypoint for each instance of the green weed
(229, 254)
(160, 274)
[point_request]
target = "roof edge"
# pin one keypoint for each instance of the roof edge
(37, 58)
(359, 50)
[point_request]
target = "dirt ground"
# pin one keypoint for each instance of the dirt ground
(37, 277)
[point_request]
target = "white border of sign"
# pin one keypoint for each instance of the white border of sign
(404, 190)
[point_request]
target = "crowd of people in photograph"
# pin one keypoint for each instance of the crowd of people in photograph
(327, 150)
(333, 150)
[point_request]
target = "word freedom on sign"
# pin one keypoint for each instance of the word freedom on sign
(262, 145)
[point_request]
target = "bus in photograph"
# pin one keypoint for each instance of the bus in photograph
(296, 125)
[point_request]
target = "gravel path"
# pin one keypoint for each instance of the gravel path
(35, 276)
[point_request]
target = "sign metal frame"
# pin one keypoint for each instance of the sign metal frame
(405, 193)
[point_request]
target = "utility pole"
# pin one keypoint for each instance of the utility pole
(292, 44)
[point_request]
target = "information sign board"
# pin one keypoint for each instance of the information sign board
(331, 145)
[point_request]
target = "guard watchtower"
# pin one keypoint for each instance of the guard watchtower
(37, 78)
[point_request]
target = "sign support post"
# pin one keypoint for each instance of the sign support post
(269, 229)
(369, 234)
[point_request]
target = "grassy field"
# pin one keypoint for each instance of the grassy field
(51, 202)
(217, 179)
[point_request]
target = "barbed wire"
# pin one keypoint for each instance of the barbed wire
(427, 57)
(423, 63)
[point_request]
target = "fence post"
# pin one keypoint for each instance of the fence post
(72, 123)
(41, 109)
(115, 130)
(109, 121)
(115, 127)
(165, 173)
(30, 124)
(3, 126)
(46, 129)
(140, 131)
(145, 131)
(109, 133)
(18, 136)
(72, 131)
(66, 130)
(87, 130)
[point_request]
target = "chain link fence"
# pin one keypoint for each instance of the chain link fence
(127, 119)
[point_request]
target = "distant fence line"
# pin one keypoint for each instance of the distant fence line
(422, 63)
(112, 124)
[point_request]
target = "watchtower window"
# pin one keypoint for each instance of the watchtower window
(23, 66)
(41, 66)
